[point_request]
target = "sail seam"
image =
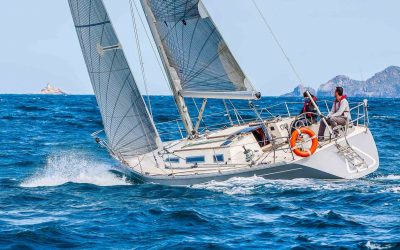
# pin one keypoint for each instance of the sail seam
(206, 66)
(201, 51)
(117, 100)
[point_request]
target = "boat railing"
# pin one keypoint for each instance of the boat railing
(174, 129)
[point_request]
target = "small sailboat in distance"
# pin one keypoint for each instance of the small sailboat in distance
(199, 64)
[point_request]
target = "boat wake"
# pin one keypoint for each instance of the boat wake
(252, 185)
(235, 186)
(390, 177)
(74, 168)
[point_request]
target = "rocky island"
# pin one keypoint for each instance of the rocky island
(385, 84)
(299, 90)
(50, 90)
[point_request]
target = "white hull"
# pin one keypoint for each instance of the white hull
(326, 163)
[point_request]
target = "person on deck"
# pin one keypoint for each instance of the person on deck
(309, 111)
(339, 115)
(307, 115)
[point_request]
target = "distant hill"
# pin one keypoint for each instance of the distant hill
(384, 84)
(299, 90)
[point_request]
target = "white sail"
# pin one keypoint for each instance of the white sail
(127, 123)
(196, 56)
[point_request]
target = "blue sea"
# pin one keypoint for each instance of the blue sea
(58, 189)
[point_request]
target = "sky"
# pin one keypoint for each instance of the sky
(322, 39)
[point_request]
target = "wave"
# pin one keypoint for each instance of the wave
(73, 167)
(395, 190)
(234, 186)
(7, 117)
(30, 108)
(390, 177)
(250, 185)
(376, 245)
(384, 116)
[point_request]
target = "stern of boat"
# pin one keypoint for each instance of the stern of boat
(351, 159)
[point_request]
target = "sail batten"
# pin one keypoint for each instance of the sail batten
(197, 56)
(127, 124)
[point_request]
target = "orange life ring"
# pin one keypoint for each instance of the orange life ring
(295, 137)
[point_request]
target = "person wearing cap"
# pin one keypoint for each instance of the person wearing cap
(339, 115)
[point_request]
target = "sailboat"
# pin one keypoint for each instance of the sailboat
(199, 65)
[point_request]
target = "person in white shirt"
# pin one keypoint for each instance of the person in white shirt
(339, 115)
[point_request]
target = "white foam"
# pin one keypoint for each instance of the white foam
(29, 221)
(234, 186)
(388, 177)
(244, 186)
(384, 116)
(75, 168)
(395, 190)
(374, 246)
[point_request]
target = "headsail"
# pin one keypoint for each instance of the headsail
(197, 57)
(127, 123)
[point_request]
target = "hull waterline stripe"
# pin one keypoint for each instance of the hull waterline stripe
(284, 171)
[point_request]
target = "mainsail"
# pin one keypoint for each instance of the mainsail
(127, 123)
(195, 55)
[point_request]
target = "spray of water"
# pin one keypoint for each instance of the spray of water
(70, 167)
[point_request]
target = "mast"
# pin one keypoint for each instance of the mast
(173, 77)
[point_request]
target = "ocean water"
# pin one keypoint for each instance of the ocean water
(58, 190)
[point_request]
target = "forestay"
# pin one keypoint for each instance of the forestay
(127, 124)
(198, 59)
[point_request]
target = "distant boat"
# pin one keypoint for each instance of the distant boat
(50, 90)
(199, 64)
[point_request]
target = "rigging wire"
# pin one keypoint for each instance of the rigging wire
(155, 52)
(142, 69)
(277, 42)
(139, 50)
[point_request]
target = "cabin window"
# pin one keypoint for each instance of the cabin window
(195, 159)
(219, 158)
(172, 160)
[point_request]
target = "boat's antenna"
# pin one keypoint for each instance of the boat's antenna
(277, 42)
(139, 50)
